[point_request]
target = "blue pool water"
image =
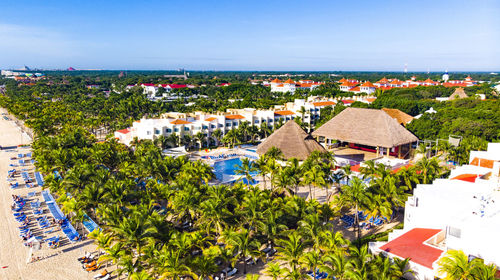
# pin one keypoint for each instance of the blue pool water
(226, 169)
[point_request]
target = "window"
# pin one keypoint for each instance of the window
(256, 121)
(270, 120)
(168, 130)
(148, 132)
(228, 124)
(455, 232)
(176, 129)
(186, 128)
(213, 126)
(221, 125)
(235, 123)
(157, 131)
(204, 127)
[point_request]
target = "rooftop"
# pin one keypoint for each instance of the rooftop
(411, 245)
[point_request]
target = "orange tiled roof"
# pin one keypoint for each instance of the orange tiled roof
(289, 81)
(179, 121)
(347, 84)
(323, 103)
(428, 80)
(466, 177)
(396, 82)
(343, 80)
(276, 81)
(234, 117)
(355, 89)
(371, 99)
(367, 84)
(383, 81)
(210, 119)
(488, 163)
(284, 113)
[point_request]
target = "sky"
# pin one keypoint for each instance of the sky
(331, 35)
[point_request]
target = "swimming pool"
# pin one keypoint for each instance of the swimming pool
(225, 171)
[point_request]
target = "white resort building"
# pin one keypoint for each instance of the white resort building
(192, 123)
(290, 85)
(460, 213)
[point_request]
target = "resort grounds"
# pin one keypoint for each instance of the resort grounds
(58, 263)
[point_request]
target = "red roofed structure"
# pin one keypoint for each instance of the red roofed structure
(367, 84)
(234, 117)
(466, 177)
(347, 101)
(289, 81)
(124, 131)
(323, 103)
(179, 121)
(284, 113)
(412, 245)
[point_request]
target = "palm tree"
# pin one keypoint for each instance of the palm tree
(292, 249)
(274, 270)
(244, 245)
(430, 169)
(264, 129)
(200, 137)
(311, 260)
(314, 177)
(353, 196)
(274, 153)
(113, 254)
(246, 170)
(218, 135)
(455, 265)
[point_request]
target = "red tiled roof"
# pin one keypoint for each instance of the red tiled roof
(123, 131)
(210, 119)
(347, 101)
(411, 245)
(367, 84)
(276, 81)
(174, 86)
(284, 113)
(323, 103)
(370, 99)
(428, 80)
(289, 81)
(343, 80)
(234, 117)
(148, 85)
(482, 162)
(179, 121)
(466, 177)
(347, 84)
(355, 89)
(396, 82)
(383, 81)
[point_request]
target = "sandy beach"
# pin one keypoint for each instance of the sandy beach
(60, 263)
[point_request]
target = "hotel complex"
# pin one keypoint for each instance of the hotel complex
(459, 213)
(206, 123)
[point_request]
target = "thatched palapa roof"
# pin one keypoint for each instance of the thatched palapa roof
(292, 140)
(402, 117)
(458, 94)
(366, 127)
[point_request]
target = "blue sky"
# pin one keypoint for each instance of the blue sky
(458, 35)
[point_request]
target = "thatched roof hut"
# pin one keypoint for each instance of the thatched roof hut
(402, 117)
(366, 127)
(292, 140)
(458, 94)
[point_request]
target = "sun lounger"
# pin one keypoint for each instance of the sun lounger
(101, 276)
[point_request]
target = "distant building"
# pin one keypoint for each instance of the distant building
(290, 85)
